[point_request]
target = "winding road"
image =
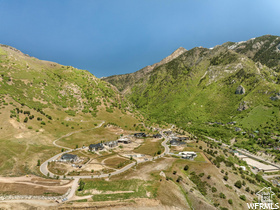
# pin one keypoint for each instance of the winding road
(44, 167)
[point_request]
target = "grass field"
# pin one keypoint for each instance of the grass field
(117, 162)
(124, 189)
(199, 158)
(57, 168)
(258, 116)
(150, 147)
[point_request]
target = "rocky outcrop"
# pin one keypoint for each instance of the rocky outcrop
(243, 106)
(275, 98)
(240, 90)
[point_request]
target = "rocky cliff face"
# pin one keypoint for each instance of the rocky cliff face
(240, 90)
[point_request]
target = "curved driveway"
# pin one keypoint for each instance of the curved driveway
(44, 167)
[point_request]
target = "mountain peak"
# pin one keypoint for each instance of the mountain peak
(169, 58)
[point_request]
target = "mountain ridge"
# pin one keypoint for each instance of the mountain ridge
(200, 85)
(127, 80)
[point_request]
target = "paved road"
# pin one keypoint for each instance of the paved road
(166, 147)
(44, 167)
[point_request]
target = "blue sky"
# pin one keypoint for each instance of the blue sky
(116, 37)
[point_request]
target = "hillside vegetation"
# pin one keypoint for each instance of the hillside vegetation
(203, 90)
(41, 101)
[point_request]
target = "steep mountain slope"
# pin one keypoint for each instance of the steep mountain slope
(41, 101)
(232, 82)
(42, 84)
(265, 49)
(126, 81)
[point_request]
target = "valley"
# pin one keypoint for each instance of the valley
(199, 129)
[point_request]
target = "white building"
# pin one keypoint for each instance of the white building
(188, 155)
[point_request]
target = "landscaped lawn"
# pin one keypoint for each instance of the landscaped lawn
(133, 188)
(199, 157)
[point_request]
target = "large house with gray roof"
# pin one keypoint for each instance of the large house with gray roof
(96, 147)
(69, 158)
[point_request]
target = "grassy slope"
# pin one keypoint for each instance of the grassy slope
(64, 99)
(200, 85)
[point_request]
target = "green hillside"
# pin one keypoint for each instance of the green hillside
(197, 90)
(41, 101)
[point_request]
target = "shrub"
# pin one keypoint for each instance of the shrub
(186, 167)
(201, 186)
(238, 184)
(222, 195)
(192, 173)
(179, 179)
(201, 175)
(214, 189)
(81, 185)
(225, 178)
(230, 201)
(242, 197)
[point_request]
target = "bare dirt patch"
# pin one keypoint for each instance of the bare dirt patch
(33, 186)
(144, 170)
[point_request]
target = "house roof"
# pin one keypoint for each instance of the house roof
(67, 156)
(99, 145)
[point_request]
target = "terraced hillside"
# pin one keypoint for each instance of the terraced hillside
(41, 101)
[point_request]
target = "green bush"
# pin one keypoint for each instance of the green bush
(238, 184)
(242, 197)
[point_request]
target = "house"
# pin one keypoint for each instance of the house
(187, 155)
(168, 132)
(175, 142)
(124, 140)
(69, 158)
(111, 144)
(182, 138)
(140, 135)
(96, 147)
(157, 136)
